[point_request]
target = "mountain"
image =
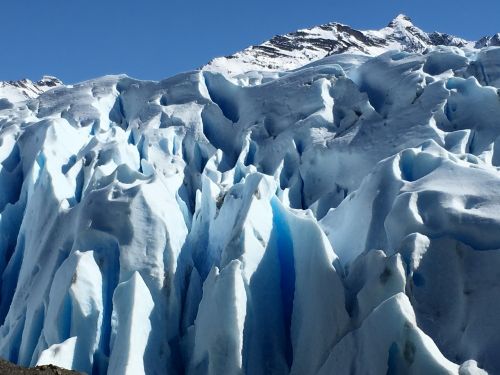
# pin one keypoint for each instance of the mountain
(339, 218)
(290, 51)
(489, 41)
(26, 89)
(299, 48)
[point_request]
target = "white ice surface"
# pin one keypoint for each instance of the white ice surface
(339, 218)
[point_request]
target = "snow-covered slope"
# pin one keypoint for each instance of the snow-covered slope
(341, 218)
(489, 41)
(15, 91)
(290, 51)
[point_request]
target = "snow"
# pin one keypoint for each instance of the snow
(59, 354)
(296, 49)
(340, 217)
(19, 91)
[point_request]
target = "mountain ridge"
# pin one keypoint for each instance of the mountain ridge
(298, 48)
(27, 89)
(280, 51)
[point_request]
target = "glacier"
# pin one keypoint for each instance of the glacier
(341, 217)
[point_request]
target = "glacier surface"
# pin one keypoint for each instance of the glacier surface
(340, 218)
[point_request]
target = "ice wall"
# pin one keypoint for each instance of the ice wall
(340, 218)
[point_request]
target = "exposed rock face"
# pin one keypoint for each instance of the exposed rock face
(290, 51)
(27, 89)
(8, 368)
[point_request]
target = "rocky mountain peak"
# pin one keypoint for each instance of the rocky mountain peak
(401, 20)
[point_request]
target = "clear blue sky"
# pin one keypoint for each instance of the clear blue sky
(153, 39)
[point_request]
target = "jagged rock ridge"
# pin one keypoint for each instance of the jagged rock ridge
(290, 51)
(27, 89)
